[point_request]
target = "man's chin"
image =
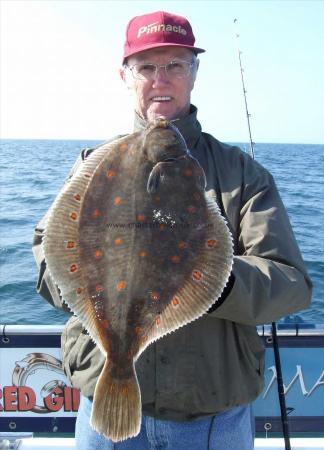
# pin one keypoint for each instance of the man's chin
(165, 110)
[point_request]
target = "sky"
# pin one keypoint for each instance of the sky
(60, 58)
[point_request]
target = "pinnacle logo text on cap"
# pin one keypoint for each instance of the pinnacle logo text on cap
(158, 29)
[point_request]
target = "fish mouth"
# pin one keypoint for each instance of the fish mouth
(160, 122)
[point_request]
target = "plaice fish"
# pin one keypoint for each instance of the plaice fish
(137, 250)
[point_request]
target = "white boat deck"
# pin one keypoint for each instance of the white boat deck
(260, 444)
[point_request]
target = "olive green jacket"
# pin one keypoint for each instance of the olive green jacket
(217, 361)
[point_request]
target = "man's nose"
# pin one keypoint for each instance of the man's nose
(160, 75)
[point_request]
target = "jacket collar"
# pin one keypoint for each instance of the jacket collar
(188, 126)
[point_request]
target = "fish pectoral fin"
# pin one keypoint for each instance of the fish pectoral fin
(116, 410)
(153, 181)
(200, 173)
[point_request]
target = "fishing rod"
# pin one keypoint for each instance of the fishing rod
(281, 389)
(248, 115)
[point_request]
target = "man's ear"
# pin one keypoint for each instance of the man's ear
(126, 77)
(196, 69)
(122, 74)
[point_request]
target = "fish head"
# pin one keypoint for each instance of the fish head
(172, 162)
(163, 142)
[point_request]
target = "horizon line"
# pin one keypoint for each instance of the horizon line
(106, 139)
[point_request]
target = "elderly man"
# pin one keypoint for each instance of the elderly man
(197, 384)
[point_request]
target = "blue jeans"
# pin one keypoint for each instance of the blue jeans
(231, 430)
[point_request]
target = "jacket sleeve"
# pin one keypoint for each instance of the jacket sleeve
(45, 285)
(269, 279)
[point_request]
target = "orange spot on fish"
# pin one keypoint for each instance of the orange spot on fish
(138, 330)
(99, 288)
(77, 197)
(121, 285)
(98, 254)
(175, 259)
(78, 290)
(74, 216)
(188, 172)
(175, 301)
(142, 253)
(140, 217)
(191, 209)
(105, 323)
(123, 147)
(118, 201)
(211, 243)
(73, 268)
(158, 321)
(196, 275)
(96, 213)
(70, 244)
(111, 173)
(155, 296)
(118, 241)
(162, 226)
(182, 245)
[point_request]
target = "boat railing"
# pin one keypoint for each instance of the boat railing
(283, 329)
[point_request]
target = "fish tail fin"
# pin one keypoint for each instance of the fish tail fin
(116, 410)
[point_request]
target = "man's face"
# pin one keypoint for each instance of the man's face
(163, 95)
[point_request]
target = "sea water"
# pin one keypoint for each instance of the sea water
(33, 171)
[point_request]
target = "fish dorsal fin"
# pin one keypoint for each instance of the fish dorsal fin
(207, 281)
(61, 241)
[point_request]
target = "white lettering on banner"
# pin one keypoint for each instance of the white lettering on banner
(156, 27)
(319, 382)
(299, 375)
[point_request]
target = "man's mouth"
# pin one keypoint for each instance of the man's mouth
(164, 98)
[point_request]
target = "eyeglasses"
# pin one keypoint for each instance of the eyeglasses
(174, 69)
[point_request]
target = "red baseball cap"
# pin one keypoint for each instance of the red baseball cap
(158, 29)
